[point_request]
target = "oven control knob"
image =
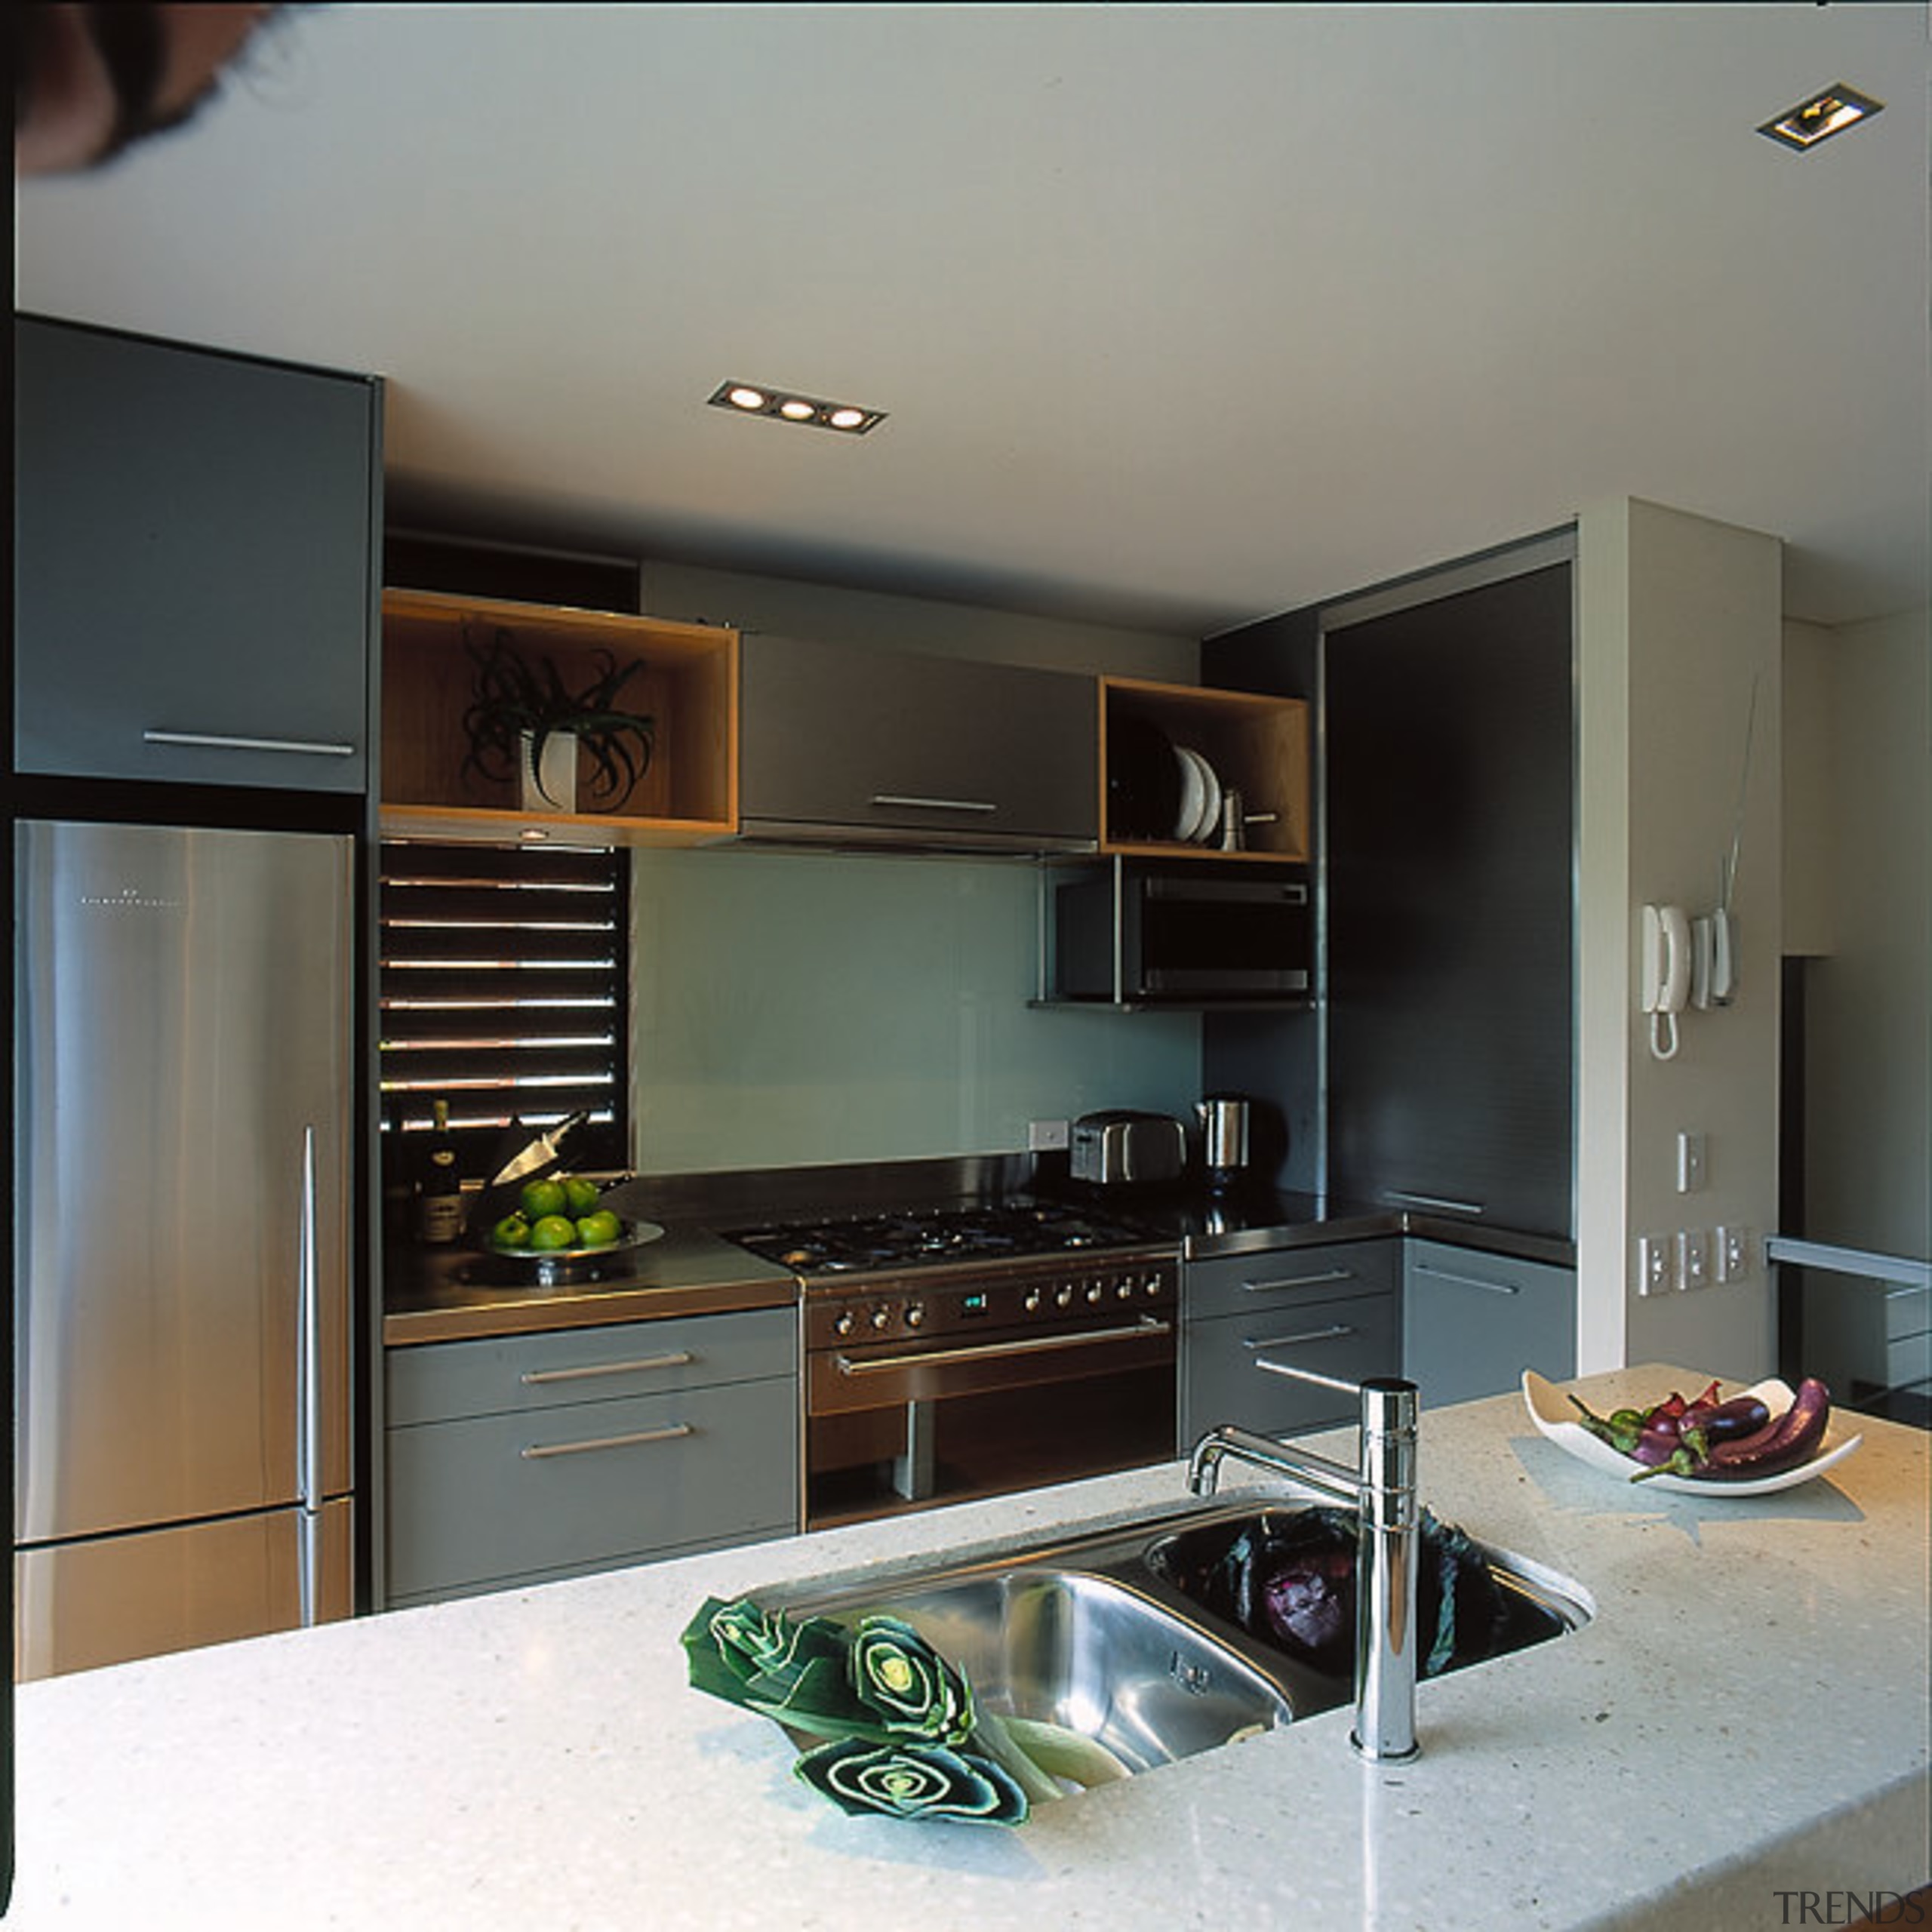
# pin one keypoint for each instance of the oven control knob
(1033, 1300)
(1153, 1286)
(843, 1324)
(1125, 1291)
(916, 1314)
(1094, 1291)
(1063, 1295)
(881, 1317)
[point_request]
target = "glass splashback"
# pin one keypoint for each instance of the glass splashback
(791, 1008)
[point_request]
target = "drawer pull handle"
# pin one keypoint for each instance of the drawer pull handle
(1468, 1280)
(532, 1378)
(1330, 1334)
(1298, 1281)
(1085, 1338)
(224, 741)
(905, 799)
(537, 1451)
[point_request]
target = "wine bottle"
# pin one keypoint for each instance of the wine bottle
(439, 1191)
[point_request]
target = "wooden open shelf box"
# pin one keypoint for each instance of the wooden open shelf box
(1256, 743)
(688, 795)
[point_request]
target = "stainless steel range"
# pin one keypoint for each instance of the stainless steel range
(970, 1350)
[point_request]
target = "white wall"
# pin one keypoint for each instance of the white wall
(1678, 617)
(790, 606)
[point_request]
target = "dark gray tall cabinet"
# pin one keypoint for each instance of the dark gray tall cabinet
(1451, 836)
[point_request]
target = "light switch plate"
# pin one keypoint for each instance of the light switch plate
(1046, 1136)
(1691, 1152)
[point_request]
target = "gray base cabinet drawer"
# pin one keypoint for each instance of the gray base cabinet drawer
(1473, 1322)
(1225, 1378)
(576, 1487)
(439, 1381)
(1242, 1283)
(536, 1456)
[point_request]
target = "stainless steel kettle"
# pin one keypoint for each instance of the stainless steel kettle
(1225, 1120)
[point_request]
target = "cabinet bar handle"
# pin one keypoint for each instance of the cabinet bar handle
(932, 805)
(1330, 1334)
(537, 1451)
(1431, 1200)
(1468, 1280)
(678, 1359)
(1085, 1338)
(223, 741)
(1298, 1281)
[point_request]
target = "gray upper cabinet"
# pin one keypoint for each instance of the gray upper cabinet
(193, 580)
(844, 745)
(1451, 869)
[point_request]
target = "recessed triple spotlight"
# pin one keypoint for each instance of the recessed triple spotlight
(788, 406)
(1830, 112)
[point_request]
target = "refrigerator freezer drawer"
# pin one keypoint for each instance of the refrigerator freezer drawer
(79, 1605)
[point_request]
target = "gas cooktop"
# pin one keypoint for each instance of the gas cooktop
(975, 1234)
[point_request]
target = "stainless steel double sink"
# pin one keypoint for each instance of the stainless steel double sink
(1110, 1632)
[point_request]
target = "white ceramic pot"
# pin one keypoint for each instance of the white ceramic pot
(552, 787)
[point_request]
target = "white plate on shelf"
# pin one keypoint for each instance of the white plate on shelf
(1551, 1411)
(1209, 829)
(1193, 805)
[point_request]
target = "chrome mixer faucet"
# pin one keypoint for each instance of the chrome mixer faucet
(1381, 1489)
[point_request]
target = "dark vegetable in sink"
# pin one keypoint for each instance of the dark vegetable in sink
(1288, 1578)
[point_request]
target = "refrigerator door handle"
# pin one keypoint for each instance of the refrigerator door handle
(309, 1387)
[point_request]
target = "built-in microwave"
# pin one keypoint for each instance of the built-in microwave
(1194, 933)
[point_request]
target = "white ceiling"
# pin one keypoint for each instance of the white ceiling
(1184, 314)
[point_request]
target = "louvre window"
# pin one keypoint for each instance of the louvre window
(503, 978)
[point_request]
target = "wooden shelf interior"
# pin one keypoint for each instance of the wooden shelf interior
(1257, 744)
(689, 685)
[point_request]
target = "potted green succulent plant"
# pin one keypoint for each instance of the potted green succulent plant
(527, 723)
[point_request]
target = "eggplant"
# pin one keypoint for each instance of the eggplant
(1741, 1417)
(1784, 1445)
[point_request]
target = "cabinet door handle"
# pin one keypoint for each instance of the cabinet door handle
(223, 741)
(678, 1358)
(1431, 1200)
(889, 799)
(1298, 1281)
(1333, 1333)
(537, 1451)
(1468, 1280)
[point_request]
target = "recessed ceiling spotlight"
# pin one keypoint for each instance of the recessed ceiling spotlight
(1837, 107)
(788, 406)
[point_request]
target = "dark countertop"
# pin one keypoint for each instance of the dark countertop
(1251, 1220)
(689, 1270)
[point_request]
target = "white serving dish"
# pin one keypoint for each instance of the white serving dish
(1550, 1409)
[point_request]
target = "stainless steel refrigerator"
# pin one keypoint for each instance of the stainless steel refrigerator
(183, 1123)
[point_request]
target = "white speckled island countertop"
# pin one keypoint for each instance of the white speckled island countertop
(1746, 1715)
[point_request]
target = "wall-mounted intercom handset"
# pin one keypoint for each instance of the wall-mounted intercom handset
(1667, 969)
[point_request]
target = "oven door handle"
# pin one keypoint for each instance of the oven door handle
(1148, 1326)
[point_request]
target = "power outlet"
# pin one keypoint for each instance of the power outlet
(1046, 1136)
(1734, 1253)
(1653, 1264)
(1693, 1258)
